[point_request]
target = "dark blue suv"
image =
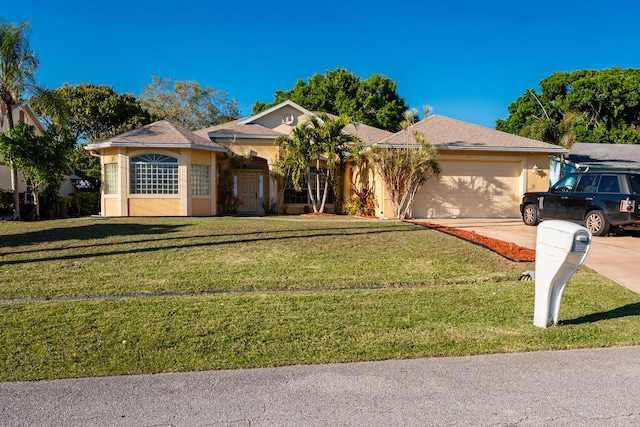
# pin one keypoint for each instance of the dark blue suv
(597, 200)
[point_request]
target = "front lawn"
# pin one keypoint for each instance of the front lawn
(240, 293)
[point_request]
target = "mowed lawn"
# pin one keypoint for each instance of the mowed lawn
(88, 297)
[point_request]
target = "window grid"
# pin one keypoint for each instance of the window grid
(111, 178)
(200, 180)
(292, 197)
(154, 174)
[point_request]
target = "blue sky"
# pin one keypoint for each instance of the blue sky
(467, 59)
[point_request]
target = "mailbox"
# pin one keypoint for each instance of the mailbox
(561, 248)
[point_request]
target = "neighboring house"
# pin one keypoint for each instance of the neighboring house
(159, 170)
(24, 114)
(484, 172)
(594, 157)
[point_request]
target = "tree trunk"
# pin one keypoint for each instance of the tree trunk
(324, 196)
(36, 204)
(14, 172)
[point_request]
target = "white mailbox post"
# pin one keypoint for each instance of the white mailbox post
(561, 247)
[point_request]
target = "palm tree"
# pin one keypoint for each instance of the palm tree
(321, 138)
(18, 65)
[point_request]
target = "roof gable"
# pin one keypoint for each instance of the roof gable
(274, 109)
(31, 117)
(447, 133)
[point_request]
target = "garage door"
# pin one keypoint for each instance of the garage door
(471, 189)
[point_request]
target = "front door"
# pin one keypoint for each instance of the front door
(250, 192)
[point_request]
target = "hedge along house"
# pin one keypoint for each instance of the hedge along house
(256, 183)
(484, 172)
(159, 170)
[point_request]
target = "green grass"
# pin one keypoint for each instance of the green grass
(290, 292)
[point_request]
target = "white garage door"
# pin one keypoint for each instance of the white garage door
(471, 189)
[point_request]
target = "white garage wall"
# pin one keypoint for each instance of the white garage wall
(473, 186)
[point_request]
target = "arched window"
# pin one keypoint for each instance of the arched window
(154, 174)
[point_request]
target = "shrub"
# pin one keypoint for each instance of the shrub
(85, 203)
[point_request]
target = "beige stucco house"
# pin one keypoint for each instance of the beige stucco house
(484, 172)
(158, 170)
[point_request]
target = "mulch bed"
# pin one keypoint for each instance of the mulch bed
(508, 250)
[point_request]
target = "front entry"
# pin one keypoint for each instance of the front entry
(250, 191)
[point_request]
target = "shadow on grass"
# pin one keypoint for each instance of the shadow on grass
(85, 232)
(624, 311)
(233, 239)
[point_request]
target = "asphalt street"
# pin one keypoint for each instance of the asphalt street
(563, 388)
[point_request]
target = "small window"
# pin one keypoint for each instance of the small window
(609, 184)
(635, 183)
(200, 180)
(111, 178)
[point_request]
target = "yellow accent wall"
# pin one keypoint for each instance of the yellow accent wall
(148, 206)
(201, 207)
(110, 207)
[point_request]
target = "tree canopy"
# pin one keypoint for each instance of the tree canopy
(371, 101)
(187, 104)
(92, 112)
(41, 159)
(601, 106)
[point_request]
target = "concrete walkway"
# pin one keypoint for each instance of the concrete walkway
(615, 256)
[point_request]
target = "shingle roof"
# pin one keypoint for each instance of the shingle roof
(368, 134)
(158, 134)
(606, 156)
(234, 127)
(444, 132)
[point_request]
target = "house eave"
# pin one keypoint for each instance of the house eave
(447, 147)
(99, 146)
(234, 135)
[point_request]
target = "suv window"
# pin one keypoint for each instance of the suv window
(587, 184)
(609, 184)
(635, 183)
(566, 184)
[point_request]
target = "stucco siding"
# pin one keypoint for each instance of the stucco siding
(201, 207)
(154, 206)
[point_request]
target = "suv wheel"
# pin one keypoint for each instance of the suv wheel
(530, 215)
(596, 223)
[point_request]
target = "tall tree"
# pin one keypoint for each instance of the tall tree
(18, 65)
(320, 141)
(587, 106)
(41, 159)
(187, 104)
(373, 101)
(91, 112)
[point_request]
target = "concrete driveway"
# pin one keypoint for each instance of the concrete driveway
(615, 256)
